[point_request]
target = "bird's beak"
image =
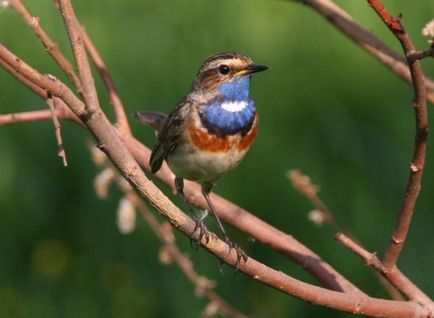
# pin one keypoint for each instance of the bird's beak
(252, 68)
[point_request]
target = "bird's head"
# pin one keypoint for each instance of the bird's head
(227, 74)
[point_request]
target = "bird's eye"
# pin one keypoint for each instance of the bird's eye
(224, 69)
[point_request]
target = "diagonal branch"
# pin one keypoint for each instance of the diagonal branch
(418, 161)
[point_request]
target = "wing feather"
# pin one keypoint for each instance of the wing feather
(170, 133)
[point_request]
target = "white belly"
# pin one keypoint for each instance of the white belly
(186, 162)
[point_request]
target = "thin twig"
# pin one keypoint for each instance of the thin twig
(118, 107)
(61, 110)
(51, 46)
(121, 158)
(399, 235)
(57, 129)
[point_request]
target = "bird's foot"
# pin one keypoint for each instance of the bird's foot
(202, 229)
(241, 255)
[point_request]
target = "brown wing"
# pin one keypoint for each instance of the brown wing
(169, 134)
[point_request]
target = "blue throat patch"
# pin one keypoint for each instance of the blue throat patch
(223, 122)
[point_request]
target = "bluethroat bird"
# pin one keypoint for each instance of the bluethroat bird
(209, 131)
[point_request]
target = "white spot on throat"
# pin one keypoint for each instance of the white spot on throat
(234, 106)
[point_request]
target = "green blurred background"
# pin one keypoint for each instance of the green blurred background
(325, 106)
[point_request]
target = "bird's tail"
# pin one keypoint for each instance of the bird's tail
(155, 120)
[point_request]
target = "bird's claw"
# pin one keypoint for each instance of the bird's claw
(202, 229)
(241, 255)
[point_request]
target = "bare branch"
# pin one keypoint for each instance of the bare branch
(418, 161)
(25, 117)
(62, 112)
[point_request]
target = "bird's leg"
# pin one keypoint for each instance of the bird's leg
(241, 255)
(203, 231)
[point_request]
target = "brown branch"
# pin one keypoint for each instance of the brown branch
(418, 161)
(110, 143)
(366, 40)
(51, 46)
(118, 107)
(25, 117)
(396, 277)
(57, 129)
(62, 112)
